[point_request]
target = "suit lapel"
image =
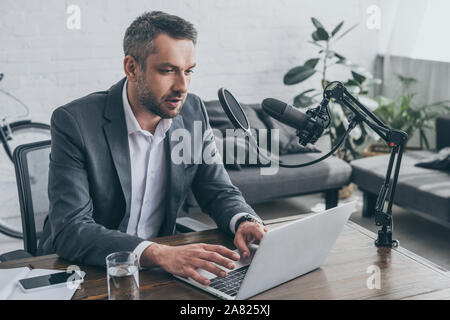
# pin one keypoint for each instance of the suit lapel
(117, 137)
(175, 180)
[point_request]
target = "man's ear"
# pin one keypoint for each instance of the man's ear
(130, 66)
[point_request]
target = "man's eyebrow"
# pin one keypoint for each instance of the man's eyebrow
(168, 64)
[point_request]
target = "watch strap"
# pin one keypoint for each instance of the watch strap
(247, 217)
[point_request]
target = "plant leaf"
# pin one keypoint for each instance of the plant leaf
(316, 23)
(337, 28)
(347, 31)
(406, 80)
(311, 63)
(339, 56)
(298, 74)
(320, 35)
(308, 91)
(358, 77)
(351, 82)
(315, 36)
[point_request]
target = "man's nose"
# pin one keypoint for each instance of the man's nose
(181, 84)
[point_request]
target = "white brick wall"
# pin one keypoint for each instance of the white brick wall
(246, 46)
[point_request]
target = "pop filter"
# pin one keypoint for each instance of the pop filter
(233, 110)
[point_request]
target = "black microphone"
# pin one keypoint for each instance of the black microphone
(310, 126)
(285, 113)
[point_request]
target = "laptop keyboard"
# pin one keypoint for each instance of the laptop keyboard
(231, 283)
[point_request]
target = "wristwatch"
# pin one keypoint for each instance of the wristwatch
(247, 217)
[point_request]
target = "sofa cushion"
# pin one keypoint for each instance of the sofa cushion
(258, 119)
(422, 189)
(331, 173)
(438, 161)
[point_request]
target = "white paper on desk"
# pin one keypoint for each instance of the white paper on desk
(8, 280)
(16, 293)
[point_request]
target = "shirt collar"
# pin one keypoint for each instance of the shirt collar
(133, 125)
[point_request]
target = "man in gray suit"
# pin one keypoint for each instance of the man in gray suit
(113, 181)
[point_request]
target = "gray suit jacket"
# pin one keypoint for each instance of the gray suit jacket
(90, 179)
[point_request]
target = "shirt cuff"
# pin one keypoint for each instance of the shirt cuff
(139, 249)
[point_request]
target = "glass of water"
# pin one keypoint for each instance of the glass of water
(123, 276)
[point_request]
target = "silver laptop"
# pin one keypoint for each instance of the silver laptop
(284, 253)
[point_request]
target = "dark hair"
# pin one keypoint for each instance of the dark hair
(140, 34)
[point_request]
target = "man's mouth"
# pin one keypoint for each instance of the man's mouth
(174, 102)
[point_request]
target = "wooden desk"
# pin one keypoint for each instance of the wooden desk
(403, 275)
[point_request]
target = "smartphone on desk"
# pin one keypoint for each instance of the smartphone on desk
(54, 280)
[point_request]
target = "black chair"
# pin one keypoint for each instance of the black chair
(31, 162)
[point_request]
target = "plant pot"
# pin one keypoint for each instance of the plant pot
(346, 191)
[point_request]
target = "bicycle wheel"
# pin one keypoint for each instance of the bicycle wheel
(10, 217)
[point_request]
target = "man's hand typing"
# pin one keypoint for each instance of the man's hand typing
(185, 260)
(247, 233)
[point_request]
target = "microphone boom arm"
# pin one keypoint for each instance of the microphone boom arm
(396, 140)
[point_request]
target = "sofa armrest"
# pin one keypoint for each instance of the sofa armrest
(443, 131)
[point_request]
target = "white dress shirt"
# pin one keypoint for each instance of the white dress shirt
(148, 177)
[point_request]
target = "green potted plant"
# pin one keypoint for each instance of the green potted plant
(358, 85)
(405, 114)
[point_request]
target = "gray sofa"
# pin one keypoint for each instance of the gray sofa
(424, 191)
(326, 177)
